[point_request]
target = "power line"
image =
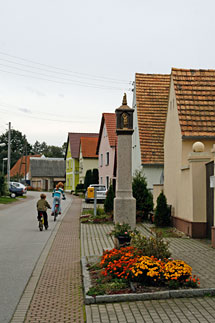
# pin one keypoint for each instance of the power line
(78, 83)
(63, 73)
(66, 70)
(46, 75)
(44, 119)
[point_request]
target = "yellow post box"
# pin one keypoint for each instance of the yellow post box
(90, 192)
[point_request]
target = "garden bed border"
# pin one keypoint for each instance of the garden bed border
(176, 293)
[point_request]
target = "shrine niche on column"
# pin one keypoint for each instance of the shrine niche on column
(124, 202)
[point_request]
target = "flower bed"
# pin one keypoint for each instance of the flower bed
(126, 269)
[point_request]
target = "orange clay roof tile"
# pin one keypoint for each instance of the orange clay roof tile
(88, 147)
(109, 119)
(74, 141)
(152, 91)
(195, 96)
(19, 167)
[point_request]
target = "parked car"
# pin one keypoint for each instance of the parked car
(100, 190)
(17, 188)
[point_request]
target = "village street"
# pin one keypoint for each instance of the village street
(21, 244)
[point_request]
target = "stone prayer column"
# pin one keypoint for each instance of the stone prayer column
(124, 203)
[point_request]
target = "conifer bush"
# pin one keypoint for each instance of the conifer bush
(143, 196)
(162, 212)
(108, 204)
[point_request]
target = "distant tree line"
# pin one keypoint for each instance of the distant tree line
(21, 147)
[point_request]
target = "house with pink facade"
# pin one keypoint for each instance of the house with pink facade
(106, 148)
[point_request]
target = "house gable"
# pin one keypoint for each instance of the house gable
(106, 148)
(152, 92)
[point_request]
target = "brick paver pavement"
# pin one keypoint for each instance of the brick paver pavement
(200, 256)
(183, 310)
(58, 295)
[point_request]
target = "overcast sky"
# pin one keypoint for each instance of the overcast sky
(64, 62)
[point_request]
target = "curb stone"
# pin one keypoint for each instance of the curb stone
(178, 293)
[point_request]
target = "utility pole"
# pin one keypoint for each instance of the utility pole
(8, 154)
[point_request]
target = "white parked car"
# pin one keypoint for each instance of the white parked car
(101, 193)
(20, 185)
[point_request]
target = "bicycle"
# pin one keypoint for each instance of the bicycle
(41, 221)
(56, 210)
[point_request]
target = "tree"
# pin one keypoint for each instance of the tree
(162, 212)
(108, 204)
(48, 151)
(143, 196)
(3, 185)
(88, 178)
(19, 146)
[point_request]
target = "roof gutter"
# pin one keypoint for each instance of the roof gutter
(198, 137)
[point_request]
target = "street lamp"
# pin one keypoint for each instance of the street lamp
(3, 165)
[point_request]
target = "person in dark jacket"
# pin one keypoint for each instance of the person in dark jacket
(42, 206)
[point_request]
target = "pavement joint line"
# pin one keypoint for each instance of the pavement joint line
(33, 280)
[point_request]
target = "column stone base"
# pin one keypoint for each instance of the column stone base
(125, 211)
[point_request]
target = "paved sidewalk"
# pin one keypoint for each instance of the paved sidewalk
(58, 295)
(200, 256)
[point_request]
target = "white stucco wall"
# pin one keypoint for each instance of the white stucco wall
(152, 174)
(105, 170)
(172, 152)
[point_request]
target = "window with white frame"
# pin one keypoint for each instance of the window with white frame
(107, 158)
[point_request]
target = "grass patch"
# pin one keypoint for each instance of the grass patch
(168, 232)
(7, 200)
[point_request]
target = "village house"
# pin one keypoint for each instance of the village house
(72, 159)
(150, 101)
(88, 159)
(21, 169)
(106, 148)
(45, 173)
(190, 119)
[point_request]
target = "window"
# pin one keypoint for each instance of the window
(107, 158)
(101, 160)
(101, 180)
(107, 182)
(67, 164)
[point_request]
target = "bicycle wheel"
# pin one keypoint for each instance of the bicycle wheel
(40, 225)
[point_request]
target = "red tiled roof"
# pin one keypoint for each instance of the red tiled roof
(195, 96)
(88, 147)
(109, 119)
(21, 162)
(74, 140)
(152, 92)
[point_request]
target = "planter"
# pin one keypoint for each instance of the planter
(121, 241)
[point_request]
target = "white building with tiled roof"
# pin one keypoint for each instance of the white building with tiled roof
(190, 119)
(150, 101)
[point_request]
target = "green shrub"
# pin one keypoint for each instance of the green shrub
(152, 246)
(88, 178)
(3, 186)
(162, 212)
(108, 204)
(143, 196)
